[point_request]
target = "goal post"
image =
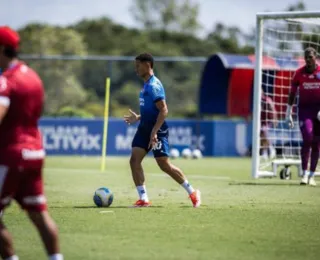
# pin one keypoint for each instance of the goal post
(280, 41)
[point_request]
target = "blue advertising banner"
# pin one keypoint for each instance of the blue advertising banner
(84, 136)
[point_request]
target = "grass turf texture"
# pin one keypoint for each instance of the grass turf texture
(240, 218)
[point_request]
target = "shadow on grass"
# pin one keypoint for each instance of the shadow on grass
(112, 207)
(284, 183)
(190, 207)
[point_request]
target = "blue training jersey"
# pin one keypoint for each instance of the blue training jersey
(152, 92)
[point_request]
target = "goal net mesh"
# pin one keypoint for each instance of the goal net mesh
(283, 47)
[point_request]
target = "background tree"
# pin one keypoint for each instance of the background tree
(167, 15)
(60, 78)
(78, 87)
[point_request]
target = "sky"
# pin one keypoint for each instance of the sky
(17, 13)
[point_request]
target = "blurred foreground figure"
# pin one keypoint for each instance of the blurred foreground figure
(21, 151)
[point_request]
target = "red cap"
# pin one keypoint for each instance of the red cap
(9, 37)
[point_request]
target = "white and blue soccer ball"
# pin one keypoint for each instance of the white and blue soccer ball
(186, 153)
(196, 154)
(174, 153)
(103, 197)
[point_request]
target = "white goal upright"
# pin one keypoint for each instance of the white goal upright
(281, 38)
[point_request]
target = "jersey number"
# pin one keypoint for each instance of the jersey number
(157, 146)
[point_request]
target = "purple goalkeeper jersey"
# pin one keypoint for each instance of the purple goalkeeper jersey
(308, 85)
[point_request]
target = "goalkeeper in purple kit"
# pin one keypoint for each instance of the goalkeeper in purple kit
(307, 81)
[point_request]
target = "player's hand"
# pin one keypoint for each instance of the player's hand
(289, 121)
(153, 139)
(131, 118)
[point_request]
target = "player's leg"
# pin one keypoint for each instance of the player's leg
(139, 150)
(6, 243)
(137, 155)
(48, 232)
(313, 162)
(315, 151)
(161, 154)
(136, 158)
(268, 151)
(264, 143)
(7, 188)
(177, 174)
(31, 198)
(306, 128)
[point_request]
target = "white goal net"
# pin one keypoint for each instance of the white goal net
(280, 43)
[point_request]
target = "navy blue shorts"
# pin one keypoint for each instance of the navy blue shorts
(142, 139)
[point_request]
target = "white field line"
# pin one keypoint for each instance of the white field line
(200, 177)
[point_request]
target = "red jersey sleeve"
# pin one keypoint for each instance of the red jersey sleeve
(5, 91)
(295, 82)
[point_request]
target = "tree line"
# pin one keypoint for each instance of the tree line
(77, 87)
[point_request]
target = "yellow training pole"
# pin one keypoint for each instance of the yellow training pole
(105, 125)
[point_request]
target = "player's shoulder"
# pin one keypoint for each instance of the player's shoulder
(6, 80)
(300, 70)
(23, 74)
(155, 83)
(299, 74)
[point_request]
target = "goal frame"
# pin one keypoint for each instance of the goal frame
(260, 17)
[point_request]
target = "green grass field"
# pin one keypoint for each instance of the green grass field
(240, 218)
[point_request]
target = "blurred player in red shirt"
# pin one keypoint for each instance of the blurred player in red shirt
(307, 80)
(21, 151)
(268, 119)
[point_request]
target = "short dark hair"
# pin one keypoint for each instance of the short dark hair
(310, 50)
(10, 52)
(145, 57)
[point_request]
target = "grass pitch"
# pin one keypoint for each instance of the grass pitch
(240, 218)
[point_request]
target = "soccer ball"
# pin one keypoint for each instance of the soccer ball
(174, 153)
(103, 197)
(186, 153)
(196, 154)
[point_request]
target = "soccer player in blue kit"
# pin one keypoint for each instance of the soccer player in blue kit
(153, 133)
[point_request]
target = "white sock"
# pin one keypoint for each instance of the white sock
(272, 151)
(13, 257)
(56, 257)
(187, 187)
(311, 174)
(142, 193)
(305, 173)
(265, 153)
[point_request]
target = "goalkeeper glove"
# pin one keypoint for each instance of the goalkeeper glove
(289, 117)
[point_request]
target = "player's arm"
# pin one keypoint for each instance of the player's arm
(158, 97)
(291, 98)
(274, 113)
(163, 112)
(293, 89)
(4, 98)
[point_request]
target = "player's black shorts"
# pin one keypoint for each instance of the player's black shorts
(142, 139)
